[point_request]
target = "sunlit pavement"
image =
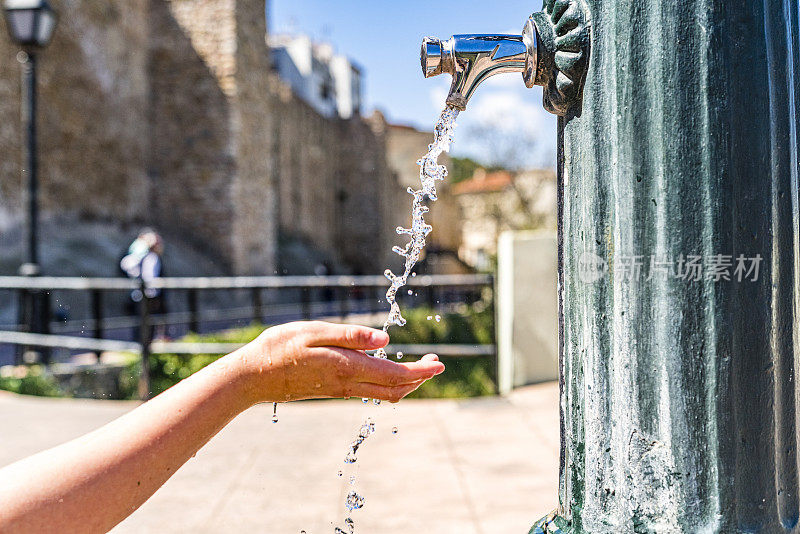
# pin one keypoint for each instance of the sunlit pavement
(486, 465)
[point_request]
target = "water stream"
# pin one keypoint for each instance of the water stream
(430, 172)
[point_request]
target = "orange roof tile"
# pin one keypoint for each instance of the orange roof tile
(484, 182)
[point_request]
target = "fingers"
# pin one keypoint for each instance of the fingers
(346, 336)
(366, 369)
(377, 391)
(427, 364)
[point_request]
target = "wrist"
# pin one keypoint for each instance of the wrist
(235, 381)
(256, 377)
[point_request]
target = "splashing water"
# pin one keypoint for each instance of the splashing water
(430, 172)
(354, 501)
(350, 527)
(363, 433)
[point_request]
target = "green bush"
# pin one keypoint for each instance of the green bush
(166, 370)
(33, 382)
(470, 325)
(463, 377)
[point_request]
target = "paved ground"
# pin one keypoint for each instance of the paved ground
(487, 466)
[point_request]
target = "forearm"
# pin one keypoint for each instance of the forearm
(92, 483)
(116, 468)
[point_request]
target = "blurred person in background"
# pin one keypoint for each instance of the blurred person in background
(144, 262)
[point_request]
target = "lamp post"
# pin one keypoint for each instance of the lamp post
(30, 24)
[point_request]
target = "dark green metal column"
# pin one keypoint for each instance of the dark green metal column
(679, 395)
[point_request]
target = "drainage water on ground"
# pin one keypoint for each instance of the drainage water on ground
(430, 172)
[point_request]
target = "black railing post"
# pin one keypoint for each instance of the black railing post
(344, 294)
(258, 307)
(305, 302)
(194, 320)
(22, 314)
(492, 290)
(431, 295)
(97, 314)
(145, 336)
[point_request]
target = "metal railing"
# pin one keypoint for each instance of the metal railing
(341, 294)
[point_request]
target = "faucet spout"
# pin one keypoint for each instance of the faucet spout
(472, 58)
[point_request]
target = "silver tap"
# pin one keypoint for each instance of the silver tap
(552, 51)
(471, 58)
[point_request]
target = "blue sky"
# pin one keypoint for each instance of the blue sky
(384, 38)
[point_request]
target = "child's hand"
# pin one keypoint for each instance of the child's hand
(304, 360)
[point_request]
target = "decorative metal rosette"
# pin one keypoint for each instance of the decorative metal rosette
(563, 30)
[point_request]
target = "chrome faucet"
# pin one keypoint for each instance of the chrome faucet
(470, 59)
(552, 51)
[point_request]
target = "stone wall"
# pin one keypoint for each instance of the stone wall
(363, 210)
(306, 167)
(92, 109)
(331, 179)
(192, 154)
(255, 226)
(166, 112)
(212, 117)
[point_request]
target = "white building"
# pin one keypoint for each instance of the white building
(495, 202)
(327, 81)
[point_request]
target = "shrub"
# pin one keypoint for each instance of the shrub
(463, 377)
(30, 381)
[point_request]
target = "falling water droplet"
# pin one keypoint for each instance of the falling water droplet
(399, 355)
(438, 318)
(351, 526)
(410, 292)
(364, 400)
(274, 412)
(339, 473)
(354, 501)
(363, 433)
(376, 402)
(430, 317)
(394, 430)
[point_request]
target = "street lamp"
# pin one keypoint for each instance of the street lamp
(30, 24)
